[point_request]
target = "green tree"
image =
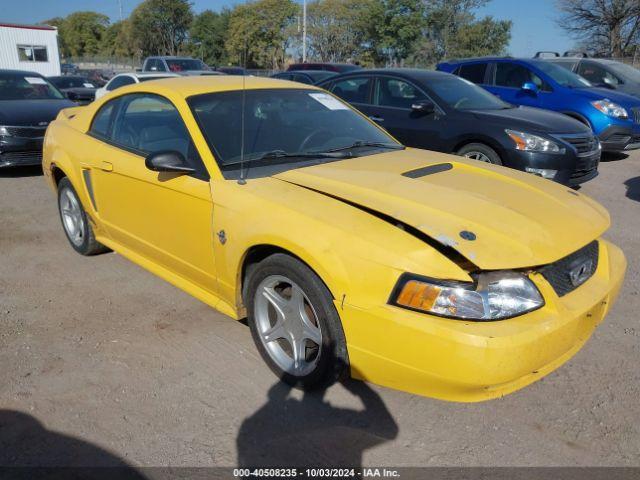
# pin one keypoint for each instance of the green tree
(207, 36)
(80, 33)
(395, 28)
(337, 29)
(483, 37)
(259, 33)
(117, 40)
(451, 29)
(159, 27)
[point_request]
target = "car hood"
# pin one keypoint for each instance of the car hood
(616, 96)
(31, 112)
(532, 119)
(518, 220)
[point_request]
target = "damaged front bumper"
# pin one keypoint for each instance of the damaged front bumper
(473, 361)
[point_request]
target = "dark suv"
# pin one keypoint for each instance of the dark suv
(442, 112)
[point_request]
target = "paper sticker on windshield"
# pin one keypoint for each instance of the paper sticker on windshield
(328, 101)
(35, 80)
(88, 85)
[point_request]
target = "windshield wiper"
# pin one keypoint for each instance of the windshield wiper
(361, 143)
(281, 154)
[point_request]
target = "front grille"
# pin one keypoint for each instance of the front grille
(21, 158)
(584, 166)
(636, 114)
(559, 274)
(582, 143)
(26, 132)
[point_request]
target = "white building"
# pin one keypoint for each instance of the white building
(32, 48)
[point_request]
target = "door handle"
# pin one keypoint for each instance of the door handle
(376, 119)
(106, 166)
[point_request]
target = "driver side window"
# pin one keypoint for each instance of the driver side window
(396, 93)
(513, 75)
(596, 74)
(146, 123)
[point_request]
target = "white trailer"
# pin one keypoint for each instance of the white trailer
(33, 48)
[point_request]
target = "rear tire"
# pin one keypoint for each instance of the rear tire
(75, 222)
(294, 323)
(480, 152)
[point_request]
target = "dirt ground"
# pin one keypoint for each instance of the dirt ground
(102, 362)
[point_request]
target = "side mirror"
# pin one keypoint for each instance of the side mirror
(425, 107)
(530, 87)
(167, 161)
(72, 95)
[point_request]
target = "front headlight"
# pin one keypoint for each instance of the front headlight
(494, 296)
(611, 109)
(3, 131)
(533, 143)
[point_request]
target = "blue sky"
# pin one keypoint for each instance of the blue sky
(534, 26)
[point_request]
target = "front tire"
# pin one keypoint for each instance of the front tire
(294, 322)
(75, 221)
(480, 152)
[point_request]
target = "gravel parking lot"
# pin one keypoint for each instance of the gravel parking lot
(102, 362)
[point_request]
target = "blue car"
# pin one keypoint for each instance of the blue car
(613, 116)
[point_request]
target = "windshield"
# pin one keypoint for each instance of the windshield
(561, 75)
(182, 64)
(461, 94)
(18, 86)
(627, 72)
(288, 122)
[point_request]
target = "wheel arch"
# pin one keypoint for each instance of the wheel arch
(258, 252)
(579, 117)
(488, 141)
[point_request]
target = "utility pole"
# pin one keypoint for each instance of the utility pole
(304, 31)
(120, 8)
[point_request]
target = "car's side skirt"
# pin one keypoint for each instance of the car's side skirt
(177, 281)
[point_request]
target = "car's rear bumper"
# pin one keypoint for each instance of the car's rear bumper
(473, 361)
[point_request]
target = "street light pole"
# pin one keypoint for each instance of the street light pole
(304, 31)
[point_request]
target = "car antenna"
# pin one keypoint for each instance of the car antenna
(242, 180)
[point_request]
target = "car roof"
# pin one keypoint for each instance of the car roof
(197, 85)
(409, 73)
(21, 72)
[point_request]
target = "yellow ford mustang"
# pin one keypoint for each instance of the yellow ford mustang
(346, 251)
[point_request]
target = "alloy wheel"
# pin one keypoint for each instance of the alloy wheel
(475, 155)
(287, 325)
(72, 218)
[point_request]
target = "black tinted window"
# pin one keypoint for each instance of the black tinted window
(474, 72)
(596, 74)
(515, 76)
(149, 123)
(353, 90)
(393, 92)
(102, 120)
(120, 82)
